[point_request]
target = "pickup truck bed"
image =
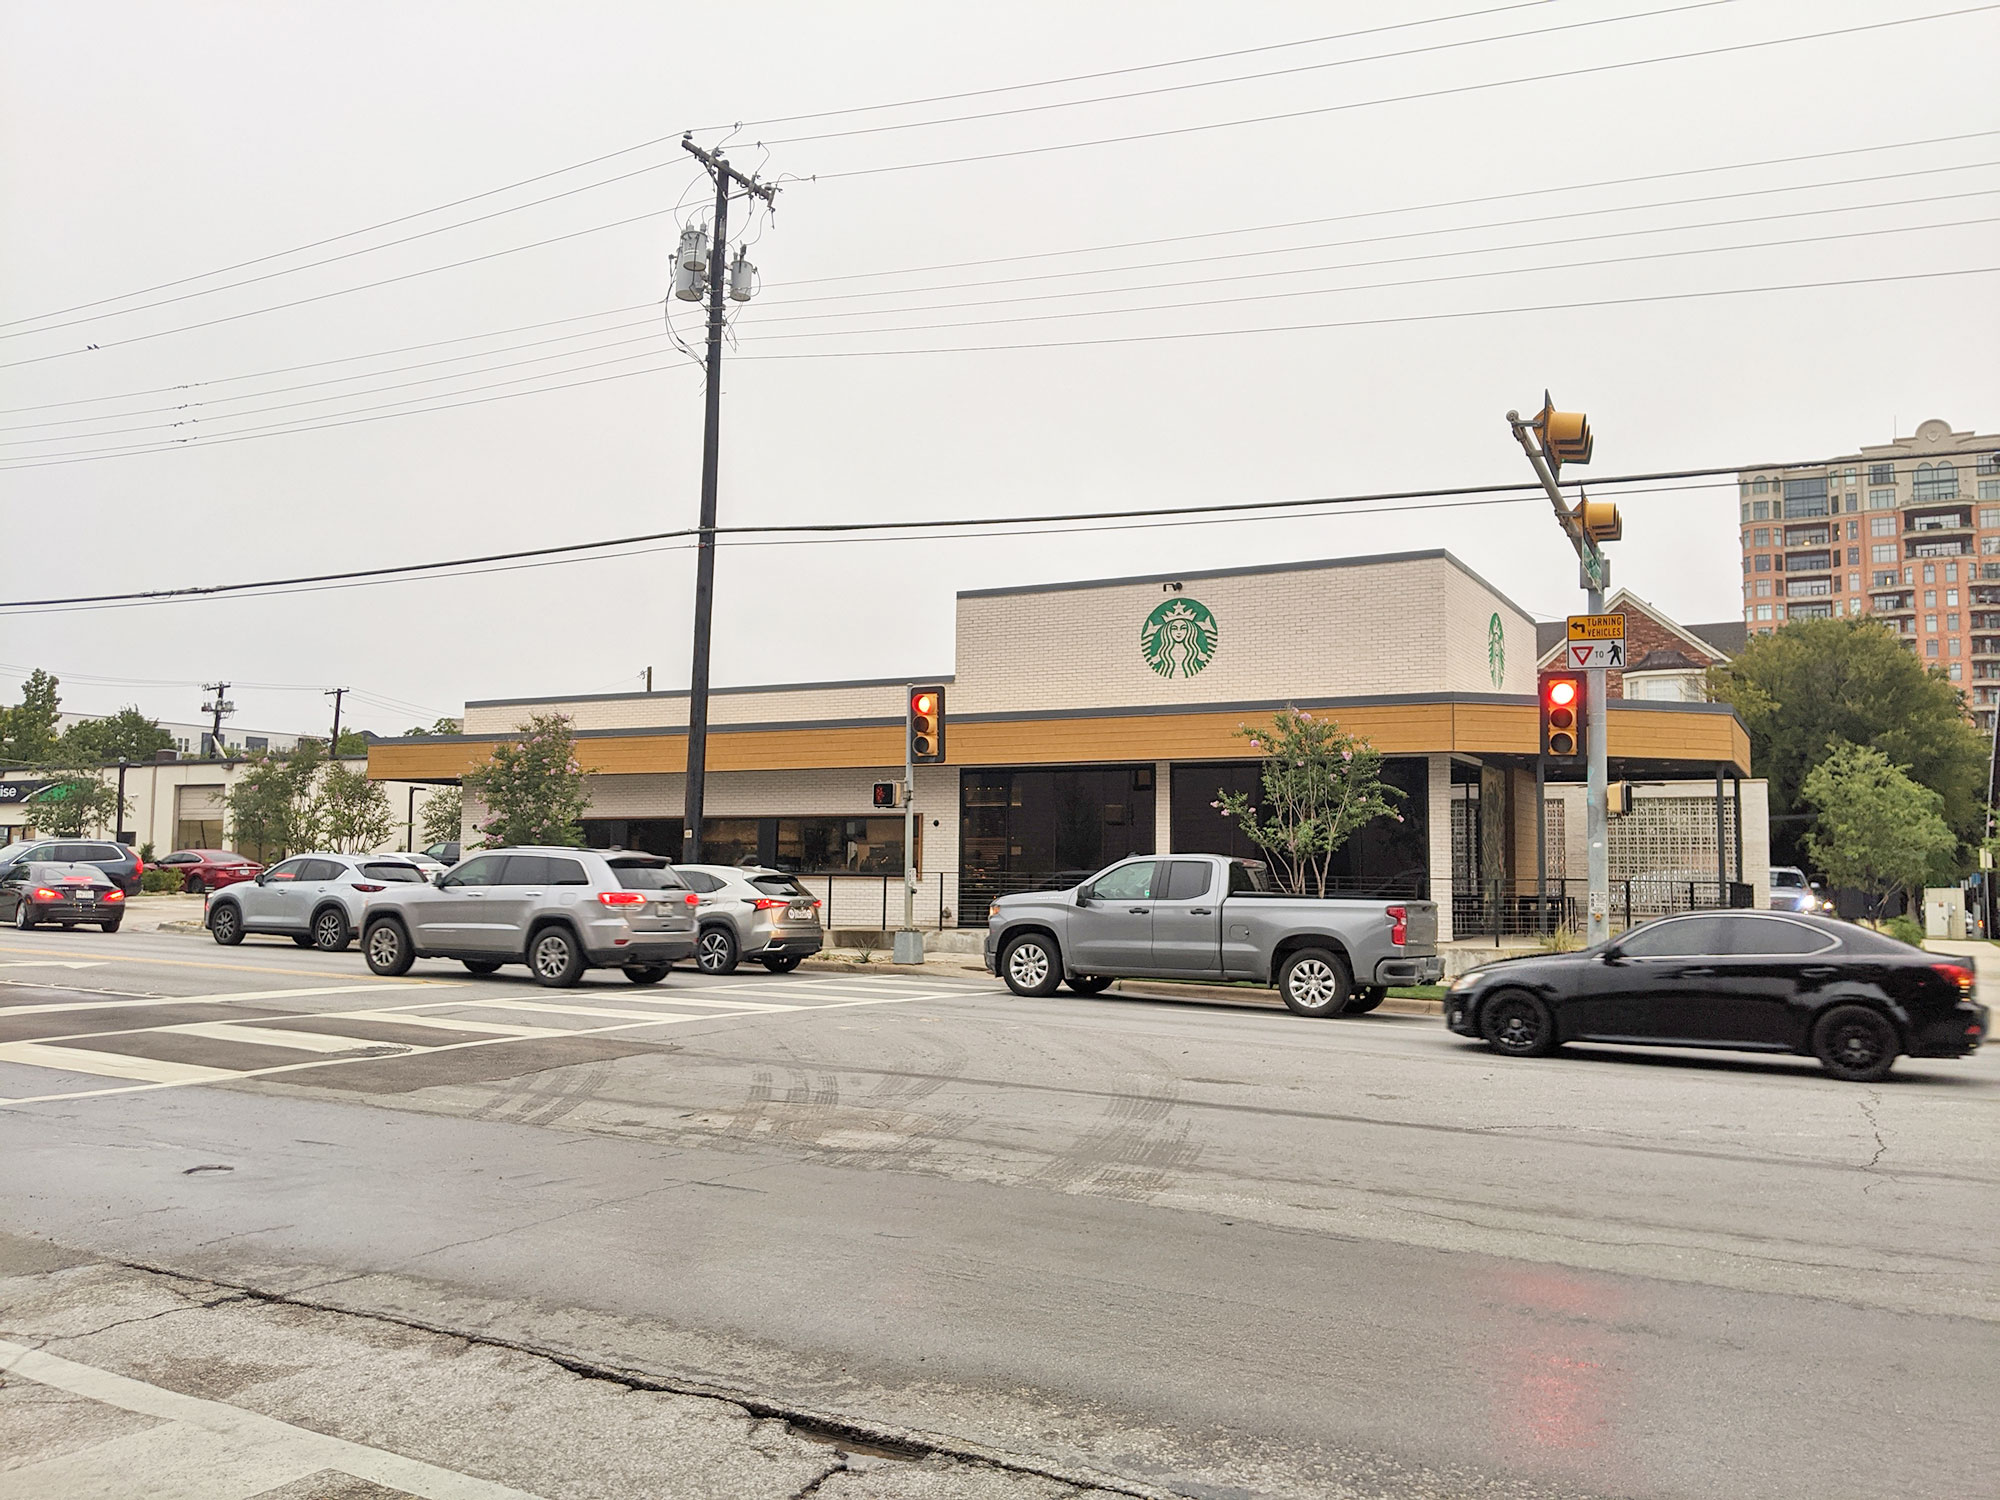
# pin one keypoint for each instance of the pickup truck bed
(1203, 916)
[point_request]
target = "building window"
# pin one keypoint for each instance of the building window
(1854, 584)
(1951, 623)
(1930, 622)
(1810, 611)
(1760, 510)
(1847, 478)
(1881, 473)
(1853, 530)
(1881, 499)
(1989, 463)
(1853, 556)
(1930, 571)
(1881, 525)
(1951, 572)
(1930, 598)
(1749, 612)
(1939, 482)
(1951, 597)
(1954, 669)
(1805, 497)
(1761, 537)
(1763, 588)
(1989, 489)
(1882, 552)
(1760, 486)
(1763, 611)
(1808, 588)
(1763, 563)
(1909, 575)
(1885, 580)
(1930, 648)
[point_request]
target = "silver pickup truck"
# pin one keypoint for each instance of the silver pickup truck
(1201, 916)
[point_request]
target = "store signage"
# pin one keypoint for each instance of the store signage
(1179, 637)
(1496, 650)
(13, 793)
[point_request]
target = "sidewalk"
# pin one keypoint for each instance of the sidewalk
(159, 912)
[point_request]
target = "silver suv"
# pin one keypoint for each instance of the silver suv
(751, 913)
(316, 900)
(559, 911)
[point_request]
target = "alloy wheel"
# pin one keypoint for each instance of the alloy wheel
(551, 956)
(1315, 985)
(1028, 965)
(713, 952)
(1517, 1028)
(384, 944)
(329, 932)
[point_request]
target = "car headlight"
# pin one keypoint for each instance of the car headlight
(992, 911)
(1467, 980)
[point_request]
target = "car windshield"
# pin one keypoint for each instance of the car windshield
(1787, 880)
(394, 870)
(649, 876)
(778, 885)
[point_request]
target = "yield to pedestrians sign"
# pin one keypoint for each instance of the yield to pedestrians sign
(1595, 641)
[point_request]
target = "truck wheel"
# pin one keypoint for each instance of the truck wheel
(1315, 982)
(1366, 999)
(1031, 965)
(1089, 984)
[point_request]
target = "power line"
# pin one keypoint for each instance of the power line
(1577, 187)
(97, 455)
(1565, 75)
(950, 524)
(1209, 83)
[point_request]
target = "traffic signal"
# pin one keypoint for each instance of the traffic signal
(1618, 799)
(1598, 520)
(1562, 700)
(1565, 435)
(926, 725)
(888, 794)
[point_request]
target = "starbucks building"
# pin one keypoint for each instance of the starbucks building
(1094, 720)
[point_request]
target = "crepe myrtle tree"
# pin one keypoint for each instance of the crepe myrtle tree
(74, 803)
(1320, 784)
(353, 810)
(532, 787)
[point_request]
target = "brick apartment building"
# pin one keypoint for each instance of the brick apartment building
(1908, 531)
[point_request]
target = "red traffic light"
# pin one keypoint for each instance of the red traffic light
(926, 725)
(923, 703)
(1562, 692)
(1562, 715)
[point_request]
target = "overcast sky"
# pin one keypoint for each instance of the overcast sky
(142, 144)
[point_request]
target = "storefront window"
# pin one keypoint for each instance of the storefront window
(1384, 858)
(1023, 830)
(830, 845)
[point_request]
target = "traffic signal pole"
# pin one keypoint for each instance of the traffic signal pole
(704, 557)
(909, 943)
(1595, 575)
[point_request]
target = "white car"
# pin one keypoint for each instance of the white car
(316, 900)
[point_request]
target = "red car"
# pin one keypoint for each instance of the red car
(208, 869)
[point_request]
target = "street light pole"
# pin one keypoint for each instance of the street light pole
(704, 564)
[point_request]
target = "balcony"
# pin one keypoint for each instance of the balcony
(1809, 562)
(1985, 621)
(1893, 604)
(1986, 645)
(1957, 519)
(1806, 536)
(1809, 611)
(1956, 547)
(1808, 588)
(1979, 596)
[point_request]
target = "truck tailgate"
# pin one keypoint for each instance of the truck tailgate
(1422, 926)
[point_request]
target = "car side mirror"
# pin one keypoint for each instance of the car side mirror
(439, 878)
(1083, 895)
(1614, 954)
(263, 877)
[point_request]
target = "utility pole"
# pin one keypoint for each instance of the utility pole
(1549, 439)
(704, 566)
(217, 706)
(336, 694)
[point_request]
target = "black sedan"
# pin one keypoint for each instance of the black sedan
(1744, 981)
(31, 894)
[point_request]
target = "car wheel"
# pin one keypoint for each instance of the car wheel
(1366, 1000)
(1855, 1043)
(1518, 1026)
(784, 963)
(192, 885)
(225, 924)
(329, 933)
(480, 966)
(554, 958)
(1031, 965)
(24, 916)
(1088, 984)
(715, 951)
(647, 973)
(387, 948)
(1315, 982)
(112, 926)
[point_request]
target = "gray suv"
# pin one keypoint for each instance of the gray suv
(316, 900)
(559, 911)
(751, 913)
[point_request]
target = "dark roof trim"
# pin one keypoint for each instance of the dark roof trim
(1428, 555)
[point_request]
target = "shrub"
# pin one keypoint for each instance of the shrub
(1904, 930)
(157, 879)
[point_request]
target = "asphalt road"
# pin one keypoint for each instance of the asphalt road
(270, 1226)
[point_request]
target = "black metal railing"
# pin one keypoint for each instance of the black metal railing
(1518, 910)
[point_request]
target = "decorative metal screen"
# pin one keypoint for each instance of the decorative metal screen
(1671, 838)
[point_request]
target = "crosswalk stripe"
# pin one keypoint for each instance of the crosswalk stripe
(109, 1064)
(663, 1017)
(234, 997)
(271, 1036)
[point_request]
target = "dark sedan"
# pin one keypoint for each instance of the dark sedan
(1742, 981)
(34, 893)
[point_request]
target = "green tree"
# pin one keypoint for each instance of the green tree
(1320, 784)
(439, 726)
(352, 742)
(1875, 829)
(76, 803)
(1814, 684)
(353, 811)
(274, 808)
(100, 742)
(443, 815)
(533, 787)
(28, 730)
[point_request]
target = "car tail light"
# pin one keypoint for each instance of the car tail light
(1399, 925)
(622, 898)
(138, 866)
(114, 894)
(43, 893)
(362, 886)
(1961, 975)
(765, 903)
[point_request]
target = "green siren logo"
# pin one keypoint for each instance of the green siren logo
(1179, 638)
(1496, 650)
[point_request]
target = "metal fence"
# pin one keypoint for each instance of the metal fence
(1520, 909)
(874, 903)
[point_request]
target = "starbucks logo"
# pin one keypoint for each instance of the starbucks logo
(1179, 638)
(1496, 650)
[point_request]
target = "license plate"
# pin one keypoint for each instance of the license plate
(801, 910)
